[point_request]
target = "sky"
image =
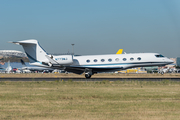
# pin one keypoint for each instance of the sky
(94, 26)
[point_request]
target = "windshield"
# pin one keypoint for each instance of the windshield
(159, 56)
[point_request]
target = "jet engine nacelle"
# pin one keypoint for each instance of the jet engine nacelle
(58, 60)
(64, 59)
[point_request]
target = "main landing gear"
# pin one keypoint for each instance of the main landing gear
(88, 73)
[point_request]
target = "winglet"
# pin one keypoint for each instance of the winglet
(119, 51)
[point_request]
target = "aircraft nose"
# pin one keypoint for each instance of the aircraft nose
(170, 61)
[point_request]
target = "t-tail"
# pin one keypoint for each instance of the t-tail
(38, 56)
(33, 50)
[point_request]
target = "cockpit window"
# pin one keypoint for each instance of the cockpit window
(159, 56)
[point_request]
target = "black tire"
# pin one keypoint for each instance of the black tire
(162, 73)
(87, 76)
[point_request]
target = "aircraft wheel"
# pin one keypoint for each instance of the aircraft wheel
(162, 73)
(87, 75)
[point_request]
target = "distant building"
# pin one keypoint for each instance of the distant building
(178, 61)
(173, 59)
(7, 53)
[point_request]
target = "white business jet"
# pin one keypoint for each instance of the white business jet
(90, 64)
(34, 68)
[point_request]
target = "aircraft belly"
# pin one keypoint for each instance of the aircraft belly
(79, 69)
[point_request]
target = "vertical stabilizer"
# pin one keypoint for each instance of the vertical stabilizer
(119, 51)
(33, 50)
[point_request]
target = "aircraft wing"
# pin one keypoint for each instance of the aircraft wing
(75, 70)
(80, 70)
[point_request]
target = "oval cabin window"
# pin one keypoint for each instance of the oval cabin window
(102, 60)
(138, 58)
(124, 59)
(95, 60)
(131, 59)
(109, 59)
(117, 59)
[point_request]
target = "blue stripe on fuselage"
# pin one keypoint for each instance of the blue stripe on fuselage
(115, 65)
(120, 64)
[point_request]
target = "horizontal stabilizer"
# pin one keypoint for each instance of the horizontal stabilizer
(32, 41)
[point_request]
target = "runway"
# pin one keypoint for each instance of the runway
(96, 77)
(84, 79)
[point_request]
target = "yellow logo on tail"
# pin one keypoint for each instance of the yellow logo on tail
(119, 51)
